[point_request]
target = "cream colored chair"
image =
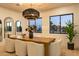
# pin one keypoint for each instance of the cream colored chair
(35, 49)
(55, 48)
(20, 48)
(9, 45)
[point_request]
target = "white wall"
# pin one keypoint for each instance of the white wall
(16, 16)
(7, 13)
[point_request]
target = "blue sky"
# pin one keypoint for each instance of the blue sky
(55, 20)
(65, 19)
(32, 22)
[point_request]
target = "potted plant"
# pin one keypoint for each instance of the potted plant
(70, 35)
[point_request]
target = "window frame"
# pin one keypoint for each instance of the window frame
(60, 22)
(35, 24)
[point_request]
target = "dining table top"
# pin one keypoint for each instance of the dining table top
(40, 40)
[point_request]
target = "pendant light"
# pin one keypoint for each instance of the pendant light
(31, 13)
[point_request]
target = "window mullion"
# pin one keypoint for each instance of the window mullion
(60, 24)
(35, 25)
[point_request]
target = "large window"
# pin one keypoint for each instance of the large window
(58, 23)
(18, 26)
(37, 24)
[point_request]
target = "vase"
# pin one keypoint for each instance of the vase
(30, 34)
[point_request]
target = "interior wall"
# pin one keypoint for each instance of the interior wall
(58, 11)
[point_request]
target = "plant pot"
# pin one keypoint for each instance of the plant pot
(70, 46)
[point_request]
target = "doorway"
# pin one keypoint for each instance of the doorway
(0, 30)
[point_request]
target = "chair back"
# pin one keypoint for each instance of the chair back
(35, 49)
(55, 48)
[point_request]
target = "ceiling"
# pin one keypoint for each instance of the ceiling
(19, 7)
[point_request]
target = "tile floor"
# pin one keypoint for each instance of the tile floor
(64, 52)
(4, 53)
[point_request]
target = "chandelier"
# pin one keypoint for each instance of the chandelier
(31, 13)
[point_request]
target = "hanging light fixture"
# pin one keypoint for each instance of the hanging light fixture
(31, 13)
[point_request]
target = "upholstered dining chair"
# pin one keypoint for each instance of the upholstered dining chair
(20, 48)
(55, 48)
(9, 45)
(35, 49)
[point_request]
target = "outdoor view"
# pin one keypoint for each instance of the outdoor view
(37, 24)
(9, 26)
(64, 20)
(18, 26)
(58, 23)
(55, 24)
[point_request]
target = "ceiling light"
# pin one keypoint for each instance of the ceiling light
(31, 13)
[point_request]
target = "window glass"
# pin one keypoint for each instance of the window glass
(7, 23)
(32, 22)
(58, 23)
(10, 23)
(9, 26)
(64, 20)
(39, 25)
(36, 24)
(55, 24)
(18, 26)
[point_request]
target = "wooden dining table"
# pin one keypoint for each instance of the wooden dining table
(39, 40)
